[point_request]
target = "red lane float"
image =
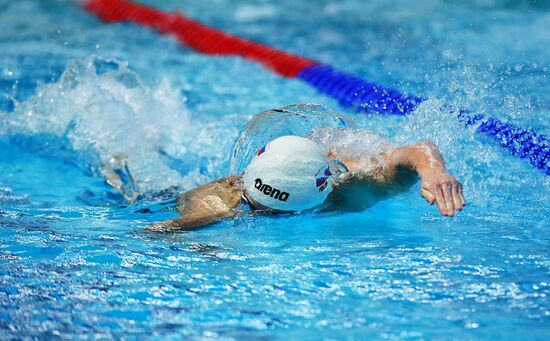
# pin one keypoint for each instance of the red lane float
(197, 36)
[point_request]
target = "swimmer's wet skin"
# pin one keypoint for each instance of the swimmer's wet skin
(294, 174)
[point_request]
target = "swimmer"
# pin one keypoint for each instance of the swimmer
(294, 174)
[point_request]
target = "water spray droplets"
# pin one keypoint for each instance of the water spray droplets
(103, 108)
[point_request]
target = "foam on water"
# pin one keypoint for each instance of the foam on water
(103, 109)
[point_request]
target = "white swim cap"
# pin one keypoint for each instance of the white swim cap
(290, 173)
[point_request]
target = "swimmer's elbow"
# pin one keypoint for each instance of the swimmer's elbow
(426, 141)
(429, 144)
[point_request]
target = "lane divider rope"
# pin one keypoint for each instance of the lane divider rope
(198, 36)
(349, 90)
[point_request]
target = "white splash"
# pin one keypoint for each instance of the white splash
(113, 113)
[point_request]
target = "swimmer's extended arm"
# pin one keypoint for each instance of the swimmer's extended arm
(204, 205)
(438, 186)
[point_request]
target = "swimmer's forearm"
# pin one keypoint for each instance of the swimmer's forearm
(186, 223)
(172, 225)
(423, 158)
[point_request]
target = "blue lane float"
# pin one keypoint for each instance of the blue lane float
(364, 96)
(355, 92)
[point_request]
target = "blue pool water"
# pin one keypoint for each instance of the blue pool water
(74, 92)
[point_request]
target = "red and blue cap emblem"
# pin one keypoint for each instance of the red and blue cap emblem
(261, 151)
(320, 181)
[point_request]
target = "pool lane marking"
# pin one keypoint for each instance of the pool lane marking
(362, 95)
(351, 91)
(198, 36)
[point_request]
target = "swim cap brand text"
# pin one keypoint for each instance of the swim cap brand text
(268, 190)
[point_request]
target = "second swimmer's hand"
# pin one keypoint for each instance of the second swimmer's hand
(440, 187)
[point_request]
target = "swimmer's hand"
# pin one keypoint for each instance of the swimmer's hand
(442, 188)
(437, 186)
(117, 174)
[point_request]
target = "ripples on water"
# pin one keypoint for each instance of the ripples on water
(76, 92)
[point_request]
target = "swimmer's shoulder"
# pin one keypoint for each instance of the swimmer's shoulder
(216, 196)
